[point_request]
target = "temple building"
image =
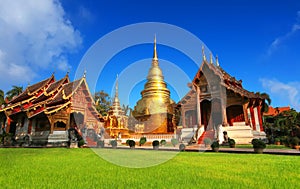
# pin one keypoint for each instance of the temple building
(217, 102)
(44, 112)
(155, 110)
(116, 121)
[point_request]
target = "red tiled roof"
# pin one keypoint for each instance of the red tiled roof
(65, 91)
(30, 90)
(51, 89)
(275, 111)
(229, 82)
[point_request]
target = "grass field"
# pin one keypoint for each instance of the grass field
(83, 168)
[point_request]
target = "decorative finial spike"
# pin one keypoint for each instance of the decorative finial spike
(203, 53)
(210, 57)
(84, 73)
(117, 87)
(217, 61)
(154, 50)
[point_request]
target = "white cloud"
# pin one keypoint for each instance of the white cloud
(286, 92)
(62, 64)
(279, 40)
(34, 35)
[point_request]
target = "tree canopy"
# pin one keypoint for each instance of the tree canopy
(103, 102)
(15, 91)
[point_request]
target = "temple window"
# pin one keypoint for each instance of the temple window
(60, 124)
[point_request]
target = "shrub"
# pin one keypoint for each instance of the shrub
(143, 140)
(127, 142)
(163, 142)
(181, 147)
(294, 141)
(257, 143)
(80, 143)
(100, 143)
(207, 141)
(231, 143)
(215, 144)
(113, 143)
(284, 140)
(277, 140)
(155, 143)
(174, 141)
(131, 143)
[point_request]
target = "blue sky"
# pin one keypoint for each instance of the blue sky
(256, 41)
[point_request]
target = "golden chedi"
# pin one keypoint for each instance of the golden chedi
(116, 120)
(155, 109)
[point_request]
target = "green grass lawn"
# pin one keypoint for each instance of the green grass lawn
(83, 168)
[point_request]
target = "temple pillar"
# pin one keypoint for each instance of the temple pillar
(29, 126)
(247, 121)
(50, 118)
(252, 118)
(260, 118)
(198, 107)
(183, 116)
(225, 122)
(256, 119)
(68, 122)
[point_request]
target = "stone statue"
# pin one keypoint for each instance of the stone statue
(225, 137)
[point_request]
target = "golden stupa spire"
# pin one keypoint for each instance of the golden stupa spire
(210, 57)
(203, 53)
(217, 61)
(155, 59)
(115, 109)
(117, 89)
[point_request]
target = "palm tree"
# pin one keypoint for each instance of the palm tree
(1, 97)
(15, 91)
(266, 103)
(125, 109)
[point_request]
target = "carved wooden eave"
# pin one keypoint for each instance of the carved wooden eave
(89, 96)
(31, 92)
(55, 109)
(229, 82)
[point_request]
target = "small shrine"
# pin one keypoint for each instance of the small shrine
(116, 121)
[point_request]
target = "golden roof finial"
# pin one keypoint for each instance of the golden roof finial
(154, 50)
(217, 61)
(117, 87)
(84, 73)
(210, 57)
(203, 53)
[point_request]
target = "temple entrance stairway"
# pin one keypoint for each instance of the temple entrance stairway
(206, 134)
(240, 132)
(58, 138)
(90, 142)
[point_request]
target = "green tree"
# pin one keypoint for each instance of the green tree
(2, 101)
(126, 109)
(103, 102)
(15, 91)
(266, 103)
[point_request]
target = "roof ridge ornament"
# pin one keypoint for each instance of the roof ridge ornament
(84, 73)
(217, 61)
(155, 57)
(210, 57)
(203, 53)
(117, 87)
